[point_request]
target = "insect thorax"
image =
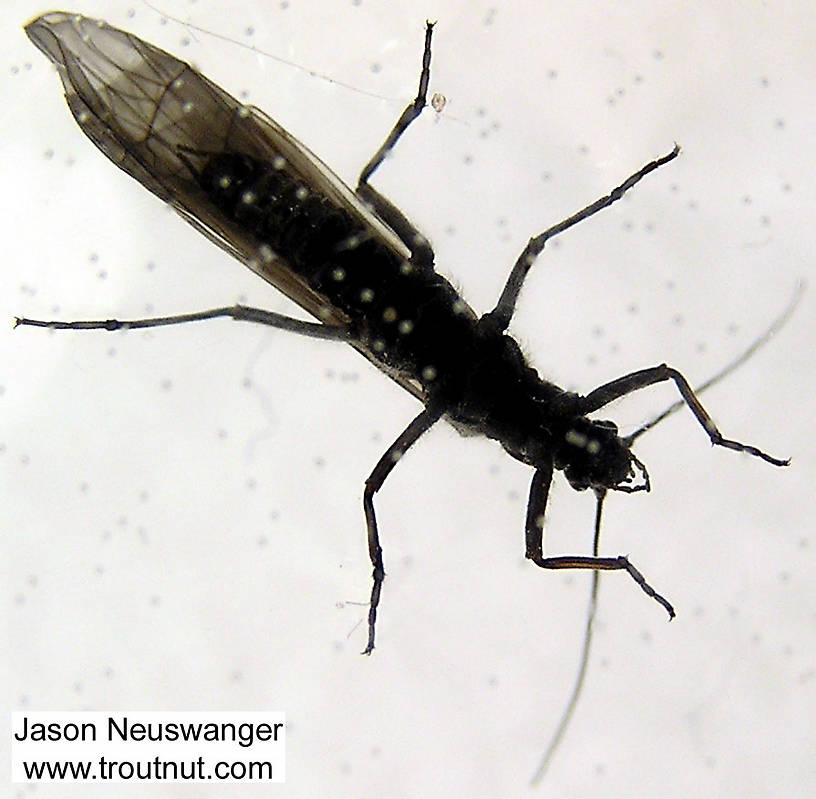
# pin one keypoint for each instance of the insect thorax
(412, 321)
(537, 422)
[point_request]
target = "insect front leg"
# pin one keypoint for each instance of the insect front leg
(407, 438)
(534, 530)
(646, 377)
(421, 251)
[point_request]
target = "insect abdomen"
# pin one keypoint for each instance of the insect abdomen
(408, 316)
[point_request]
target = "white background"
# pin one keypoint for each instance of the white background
(181, 516)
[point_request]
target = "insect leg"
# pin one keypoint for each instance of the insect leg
(503, 312)
(407, 438)
(760, 341)
(418, 245)
(411, 112)
(422, 253)
(646, 377)
(577, 688)
(534, 529)
(240, 313)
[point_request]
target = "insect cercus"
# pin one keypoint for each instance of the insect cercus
(357, 264)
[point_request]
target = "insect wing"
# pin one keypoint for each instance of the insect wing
(160, 121)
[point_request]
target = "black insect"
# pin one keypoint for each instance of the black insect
(356, 263)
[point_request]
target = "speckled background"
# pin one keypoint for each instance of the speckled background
(182, 526)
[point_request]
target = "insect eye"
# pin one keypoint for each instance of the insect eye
(606, 424)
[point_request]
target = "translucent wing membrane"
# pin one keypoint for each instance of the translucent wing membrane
(160, 121)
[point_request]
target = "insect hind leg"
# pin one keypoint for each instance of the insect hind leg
(421, 251)
(239, 313)
(411, 112)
